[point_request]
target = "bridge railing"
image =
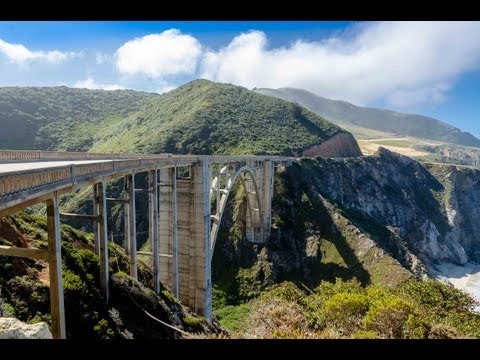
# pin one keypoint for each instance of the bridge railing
(69, 175)
(36, 155)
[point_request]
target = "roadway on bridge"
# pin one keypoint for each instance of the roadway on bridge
(6, 168)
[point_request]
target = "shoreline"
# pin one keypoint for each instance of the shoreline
(464, 277)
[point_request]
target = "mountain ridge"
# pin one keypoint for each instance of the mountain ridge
(342, 112)
(201, 117)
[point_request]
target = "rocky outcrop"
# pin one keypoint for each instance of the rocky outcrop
(340, 145)
(433, 210)
(11, 328)
(461, 205)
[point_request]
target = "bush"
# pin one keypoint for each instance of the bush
(388, 317)
(285, 291)
(233, 317)
(275, 318)
(345, 311)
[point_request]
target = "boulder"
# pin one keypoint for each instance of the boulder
(11, 328)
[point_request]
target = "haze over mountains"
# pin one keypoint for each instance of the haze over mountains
(343, 113)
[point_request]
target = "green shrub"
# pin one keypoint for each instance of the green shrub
(285, 291)
(193, 323)
(103, 331)
(345, 312)
(388, 317)
(233, 317)
(362, 334)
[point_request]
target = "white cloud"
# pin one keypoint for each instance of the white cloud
(89, 83)
(159, 55)
(401, 63)
(102, 58)
(20, 54)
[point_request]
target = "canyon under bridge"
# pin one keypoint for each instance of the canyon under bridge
(187, 195)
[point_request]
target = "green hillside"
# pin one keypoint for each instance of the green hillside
(61, 118)
(200, 117)
(346, 114)
(203, 117)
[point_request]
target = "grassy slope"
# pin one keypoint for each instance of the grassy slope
(61, 118)
(199, 117)
(203, 117)
(376, 119)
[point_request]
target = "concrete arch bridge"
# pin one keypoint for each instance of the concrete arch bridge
(187, 195)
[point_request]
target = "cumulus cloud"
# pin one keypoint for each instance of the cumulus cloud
(400, 63)
(89, 83)
(159, 55)
(20, 54)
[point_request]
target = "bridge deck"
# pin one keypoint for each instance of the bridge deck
(21, 167)
(29, 177)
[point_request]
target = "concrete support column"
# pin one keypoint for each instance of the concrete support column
(132, 225)
(153, 226)
(266, 196)
(167, 226)
(126, 216)
(101, 235)
(194, 239)
(57, 307)
(96, 212)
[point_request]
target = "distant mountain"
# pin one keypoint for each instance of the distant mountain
(344, 113)
(200, 117)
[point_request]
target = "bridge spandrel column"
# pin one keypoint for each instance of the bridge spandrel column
(153, 226)
(132, 227)
(267, 195)
(166, 226)
(185, 237)
(102, 236)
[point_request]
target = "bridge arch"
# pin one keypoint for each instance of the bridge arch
(254, 217)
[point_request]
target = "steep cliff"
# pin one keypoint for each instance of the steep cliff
(430, 208)
(381, 219)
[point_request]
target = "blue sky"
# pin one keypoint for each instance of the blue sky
(430, 68)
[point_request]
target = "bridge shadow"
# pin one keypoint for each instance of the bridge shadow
(306, 246)
(305, 227)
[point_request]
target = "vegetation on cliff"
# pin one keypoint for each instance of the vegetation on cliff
(200, 117)
(346, 309)
(25, 294)
(324, 232)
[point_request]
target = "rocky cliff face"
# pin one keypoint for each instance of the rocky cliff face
(381, 219)
(340, 145)
(460, 203)
(431, 209)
